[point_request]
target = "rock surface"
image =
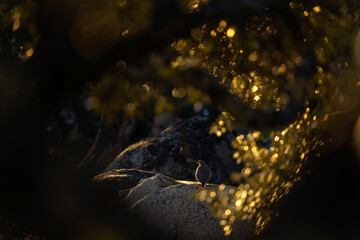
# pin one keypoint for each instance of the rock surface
(169, 207)
(123, 178)
(175, 151)
(120, 181)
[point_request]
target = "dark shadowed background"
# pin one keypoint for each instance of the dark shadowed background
(64, 74)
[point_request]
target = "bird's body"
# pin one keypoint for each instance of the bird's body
(202, 173)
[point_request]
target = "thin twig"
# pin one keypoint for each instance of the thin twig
(81, 164)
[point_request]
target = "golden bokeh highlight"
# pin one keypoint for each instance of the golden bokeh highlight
(317, 9)
(230, 32)
(272, 160)
(190, 6)
(18, 20)
(219, 50)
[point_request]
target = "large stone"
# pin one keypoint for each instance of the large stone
(123, 178)
(175, 152)
(170, 208)
(120, 181)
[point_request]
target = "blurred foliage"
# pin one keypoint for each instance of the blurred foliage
(283, 57)
(96, 26)
(247, 60)
(17, 19)
(272, 56)
(190, 6)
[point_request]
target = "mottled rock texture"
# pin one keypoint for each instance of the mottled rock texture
(170, 208)
(175, 152)
(122, 178)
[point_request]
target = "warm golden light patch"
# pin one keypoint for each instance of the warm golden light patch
(253, 57)
(174, 64)
(122, 3)
(213, 33)
(124, 33)
(178, 92)
(223, 222)
(257, 73)
(317, 9)
(230, 32)
(131, 107)
(282, 69)
(16, 18)
(222, 26)
(29, 52)
(146, 87)
(228, 212)
(274, 157)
